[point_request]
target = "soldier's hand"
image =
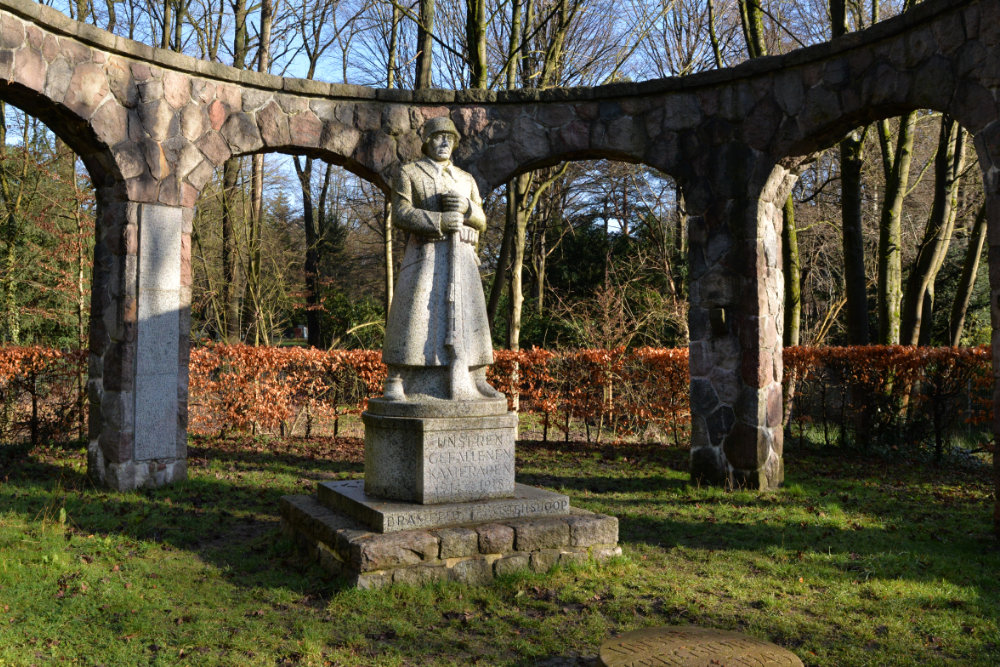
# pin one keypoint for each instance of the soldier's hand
(451, 221)
(455, 202)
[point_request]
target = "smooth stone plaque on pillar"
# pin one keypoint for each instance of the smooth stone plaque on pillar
(439, 459)
(157, 459)
(158, 332)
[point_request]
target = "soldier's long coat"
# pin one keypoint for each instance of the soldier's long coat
(417, 323)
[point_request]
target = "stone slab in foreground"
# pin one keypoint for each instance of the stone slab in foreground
(691, 646)
(472, 553)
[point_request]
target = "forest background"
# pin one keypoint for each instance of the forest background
(882, 237)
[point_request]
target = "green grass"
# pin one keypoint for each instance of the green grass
(856, 561)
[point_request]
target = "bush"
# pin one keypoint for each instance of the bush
(42, 394)
(875, 396)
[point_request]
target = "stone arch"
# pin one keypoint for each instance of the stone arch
(75, 104)
(102, 105)
(738, 313)
(554, 159)
(557, 158)
(71, 128)
(366, 138)
(502, 141)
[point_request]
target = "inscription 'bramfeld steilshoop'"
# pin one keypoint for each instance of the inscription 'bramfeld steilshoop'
(439, 444)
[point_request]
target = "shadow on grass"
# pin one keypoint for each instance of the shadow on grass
(226, 512)
(604, 483)
(860, 515)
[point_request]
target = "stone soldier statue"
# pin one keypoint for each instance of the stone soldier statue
(437, 338)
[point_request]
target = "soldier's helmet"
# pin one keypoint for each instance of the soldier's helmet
(436, 125)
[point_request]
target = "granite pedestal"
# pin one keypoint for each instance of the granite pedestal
(439, 501)
(472, 553)
(439, 451)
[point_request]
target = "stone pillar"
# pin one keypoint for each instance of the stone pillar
(139, 345)
(735, 323)
(988, 145)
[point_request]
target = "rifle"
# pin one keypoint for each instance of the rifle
(459, 382)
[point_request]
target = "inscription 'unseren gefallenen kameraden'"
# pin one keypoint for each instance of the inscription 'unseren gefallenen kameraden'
(470, 461)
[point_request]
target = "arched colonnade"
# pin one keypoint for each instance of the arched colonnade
(151, 127)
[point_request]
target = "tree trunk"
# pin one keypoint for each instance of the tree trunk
(968, 279)
(255, 224)
(9, 312)
(540, 257)
(855, 283)
(519, 222)
(554, 52)
(254, 307)
(230, 199)
(112, 17)
(311, 267)
(425, 42)
(165, 37)
(180, 8)
(322, 218)
(792, 271)
(230, 296)
(752, 21)
(81, 299)
(514, 45)
(503, 261)
(387, 252)
(475, 35)
(927, 307)
(851, 158)
(390, 82)
(948, 165)
(713, 35)
(896, 165)
(680, 245)
(390, 67)
(838, 17)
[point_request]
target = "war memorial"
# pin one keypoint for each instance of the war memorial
(439, 499)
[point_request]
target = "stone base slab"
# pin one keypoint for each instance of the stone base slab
(471, 553)
(348, 497)
(439, 460)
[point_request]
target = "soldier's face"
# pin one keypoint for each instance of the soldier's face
(441, 145)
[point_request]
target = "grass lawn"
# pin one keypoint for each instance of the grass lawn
(856, 561)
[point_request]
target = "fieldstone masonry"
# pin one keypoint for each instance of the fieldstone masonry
(152, 125)
(472, 554)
